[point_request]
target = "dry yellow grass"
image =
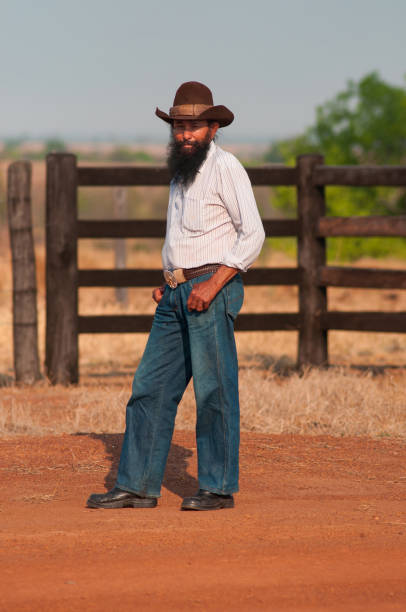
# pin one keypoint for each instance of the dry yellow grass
(346, 399)
(336, 401)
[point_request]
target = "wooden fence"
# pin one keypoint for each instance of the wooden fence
(312, 275)
(25, 326)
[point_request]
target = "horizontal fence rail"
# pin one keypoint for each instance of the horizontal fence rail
(360, 176)
(362, 226)
(131, 176)
(331, 276)
(327, 227)
(348, 176)
(154, 278)
(155, 228)
(312, 276)
(345, 321)
(365, 321)
(118, 324)
(363, 278)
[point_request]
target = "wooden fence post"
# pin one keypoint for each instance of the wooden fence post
(61, 269)
(25, 327)
(120, 203)
(312, 348)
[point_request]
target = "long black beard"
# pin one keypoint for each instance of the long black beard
(183, 167)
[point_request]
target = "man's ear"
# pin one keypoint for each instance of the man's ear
(214, 126)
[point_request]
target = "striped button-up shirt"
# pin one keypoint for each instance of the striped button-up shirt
(214, 220)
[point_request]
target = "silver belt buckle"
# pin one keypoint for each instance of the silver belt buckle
(170, 279)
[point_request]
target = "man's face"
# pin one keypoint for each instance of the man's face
(191, 134)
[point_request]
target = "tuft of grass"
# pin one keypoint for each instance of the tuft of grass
(38, 499)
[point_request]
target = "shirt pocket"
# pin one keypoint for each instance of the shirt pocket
(194, 215)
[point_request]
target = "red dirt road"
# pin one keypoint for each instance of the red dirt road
(320, 524)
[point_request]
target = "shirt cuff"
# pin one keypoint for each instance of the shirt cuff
(233, 262)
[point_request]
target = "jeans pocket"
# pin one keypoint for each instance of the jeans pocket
(235, 296)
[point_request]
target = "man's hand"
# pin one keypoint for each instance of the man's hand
(203, 293)
(158, 293)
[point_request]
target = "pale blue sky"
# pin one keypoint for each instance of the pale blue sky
(98, 68)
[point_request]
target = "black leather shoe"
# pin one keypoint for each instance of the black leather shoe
(205, 500)
(118, 498)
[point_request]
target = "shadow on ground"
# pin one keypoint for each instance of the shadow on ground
(285, 367)
(377, 370)
(176, 479)
(6, 381)
(282, 366)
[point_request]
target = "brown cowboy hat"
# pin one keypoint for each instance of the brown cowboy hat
(194, 101)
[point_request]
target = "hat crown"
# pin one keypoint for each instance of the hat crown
(194, 101)
(193, 92)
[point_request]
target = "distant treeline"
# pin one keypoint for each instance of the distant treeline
(14, 148)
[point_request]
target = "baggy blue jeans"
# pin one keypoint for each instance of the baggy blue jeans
(183, 344)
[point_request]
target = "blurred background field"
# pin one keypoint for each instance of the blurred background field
(361, 393)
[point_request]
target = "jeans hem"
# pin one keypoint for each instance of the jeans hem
(220, 491)
(137, 491)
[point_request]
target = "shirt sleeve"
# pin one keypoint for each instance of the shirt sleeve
(239, 200)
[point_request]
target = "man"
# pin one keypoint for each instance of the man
(213, 232)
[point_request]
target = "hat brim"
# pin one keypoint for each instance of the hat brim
(219, 113)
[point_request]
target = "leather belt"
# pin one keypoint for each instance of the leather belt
(181, 275)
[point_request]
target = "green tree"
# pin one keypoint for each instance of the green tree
(54, 145)
(364, 124)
